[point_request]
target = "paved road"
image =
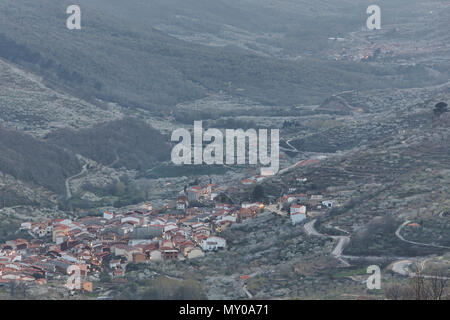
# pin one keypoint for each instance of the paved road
(343, 241)
(273, 208)
(68, 191)
(401, 267)
(293, 149)
(116, 159)
(249, 295)
(310, 230)
(398, 234)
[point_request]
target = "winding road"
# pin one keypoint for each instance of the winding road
(343, 241)
(68, 191)
(400, 266)
(398, 234)
(293, 149)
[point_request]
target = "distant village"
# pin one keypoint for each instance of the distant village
(185, 228)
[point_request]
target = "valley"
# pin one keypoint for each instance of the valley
(86, 120)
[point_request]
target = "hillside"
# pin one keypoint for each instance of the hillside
(34, 161)
(126, 143)
(117, 60)
(27, 105)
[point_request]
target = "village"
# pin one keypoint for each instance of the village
(185, 228)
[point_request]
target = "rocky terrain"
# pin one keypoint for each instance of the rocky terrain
(88, 132)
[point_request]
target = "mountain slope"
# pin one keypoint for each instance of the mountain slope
(121, 61)
(34, 161)
(129, 143)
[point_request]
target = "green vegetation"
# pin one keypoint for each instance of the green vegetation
(258, 193)
(142, 67)
(167, 171)
(162, 288)
(129, 143)
(379, 239)
(349, 273)
(440, 108)
(8, 230)
(34, 161)
(124, 192)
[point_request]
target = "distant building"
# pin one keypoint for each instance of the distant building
(297, 217)
(193, 193)
(267, 172)
(147, 206)
(297, 208)
(248, 182)
(213, 243)
(329, 203)
(108, 215)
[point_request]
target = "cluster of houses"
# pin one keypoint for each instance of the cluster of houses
(185, 228)
(111, 241)
(297, 204)
(253, 180)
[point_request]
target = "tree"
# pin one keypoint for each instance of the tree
(189, 289)
(440, 108)
(394, 292)
(419, 287)
(119, 188)
(438, 285)
(433, 286)
(258, 193)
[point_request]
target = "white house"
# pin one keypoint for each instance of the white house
(297, 217)
(194, 252)
(108, 215)
(297, 208)
(130, 219)
(66, 222)
(155, 255)
(214, 194)
(114, 263)
(147, 206)
(329, 203)
(227, 218)
(213, 243)
(267, 171)
(25, 226)
(258, 178)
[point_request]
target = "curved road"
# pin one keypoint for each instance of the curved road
(288, 142)
(68, 192)
(400, 266)
(343, 241)
(397, 233)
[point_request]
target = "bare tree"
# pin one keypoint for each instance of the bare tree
(419, 287)
(394, 292)
(433, 286)
(437, 285)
